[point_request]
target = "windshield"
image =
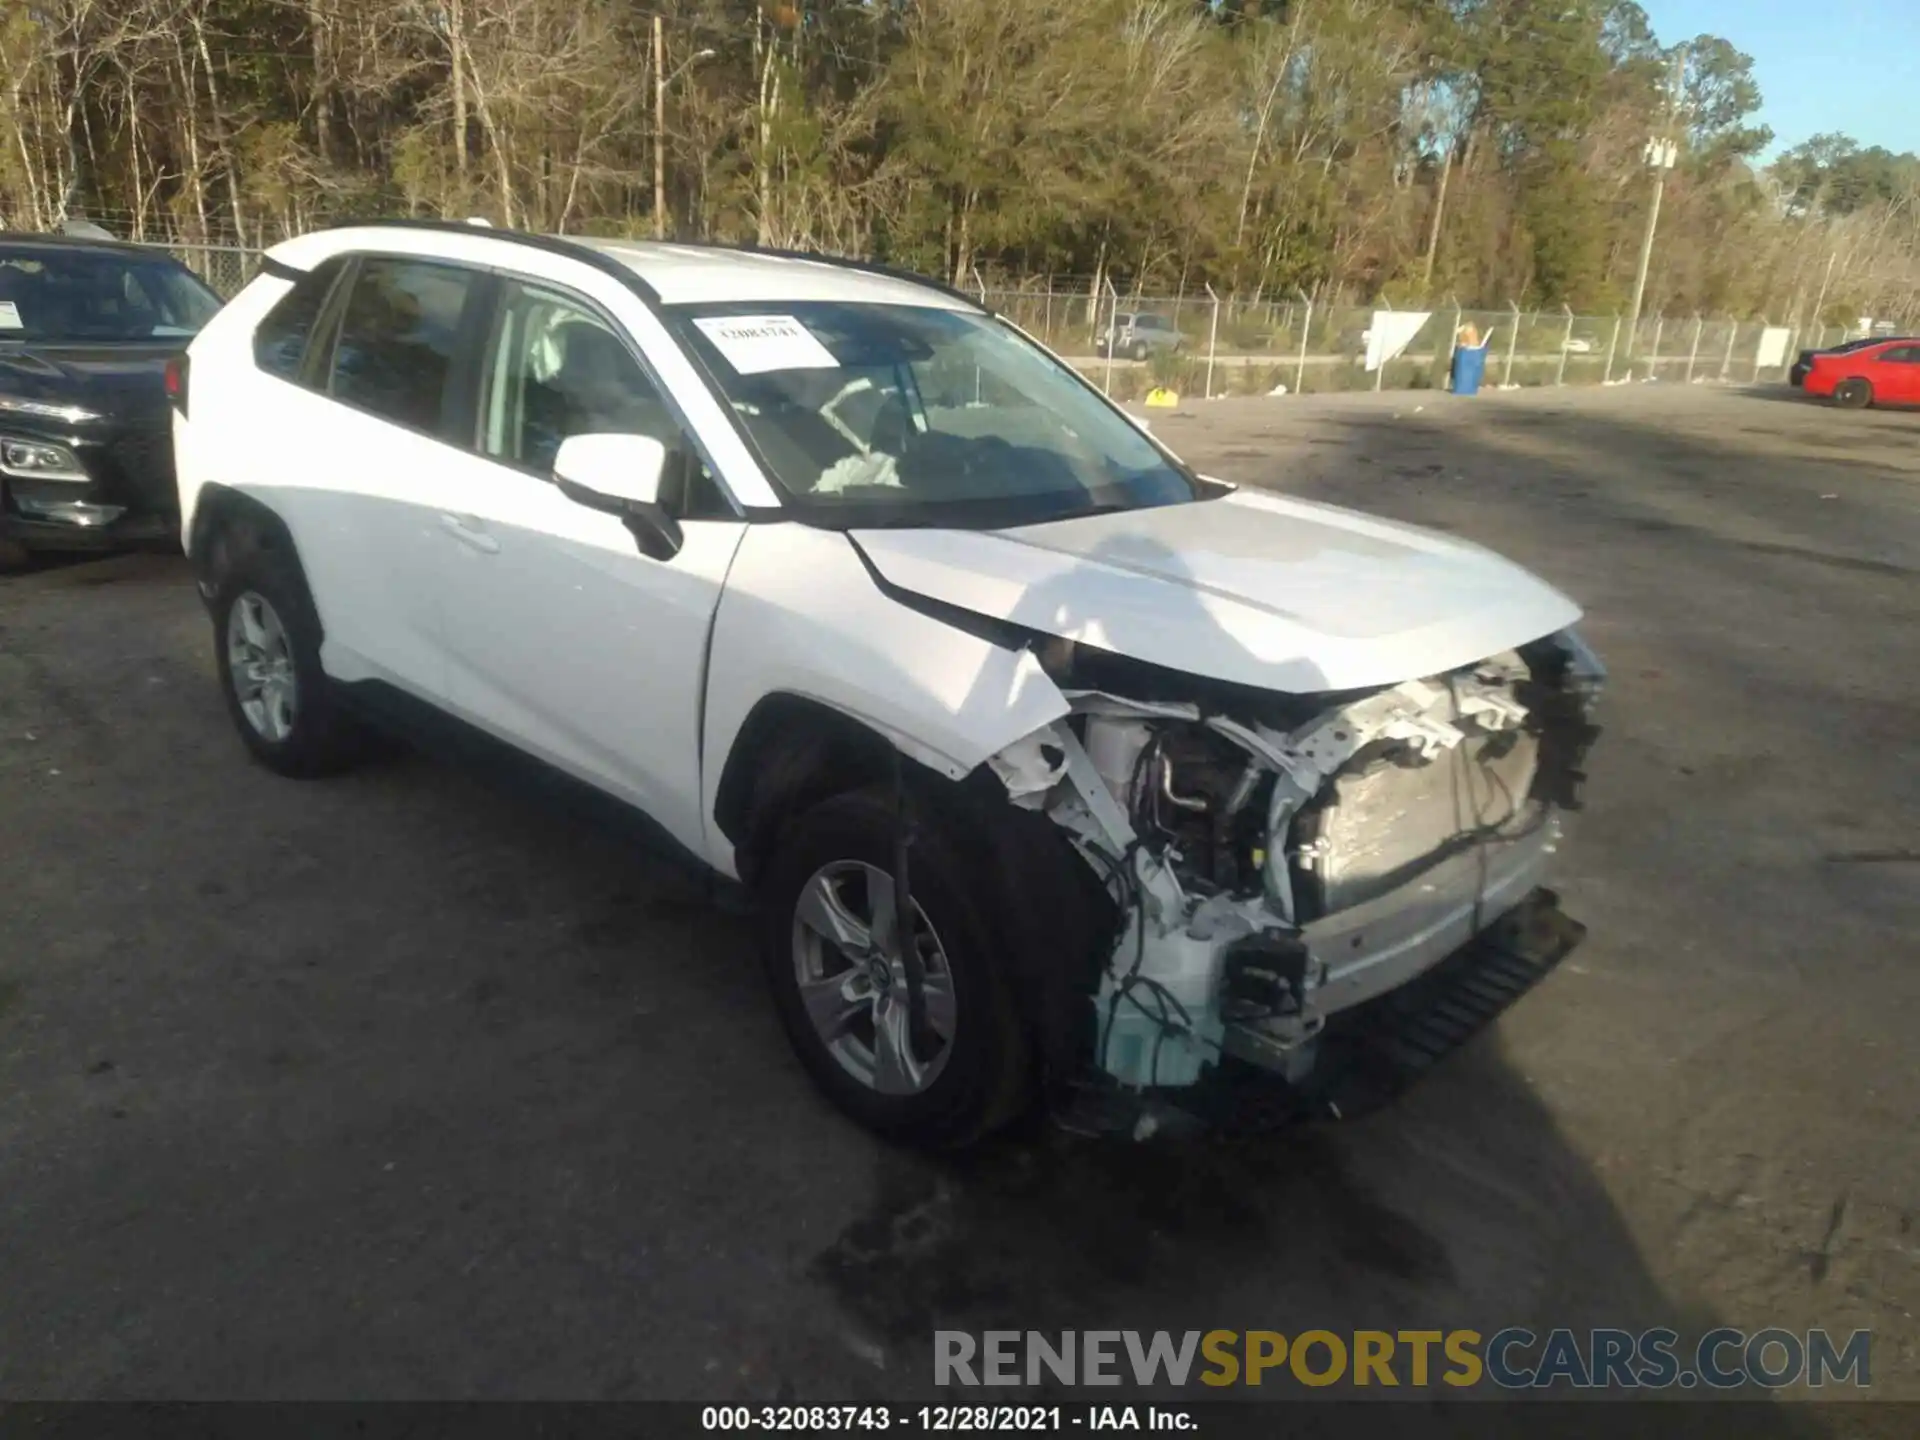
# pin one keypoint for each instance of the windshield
(55, 295)
(901, 415)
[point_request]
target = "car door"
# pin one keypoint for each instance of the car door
(370, 465)
(1896, 375)
(561, 636)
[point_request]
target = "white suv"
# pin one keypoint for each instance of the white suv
(1054, 768)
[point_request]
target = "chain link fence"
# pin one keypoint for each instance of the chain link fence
(227, 268)
(1218, 345)
(1209, 344)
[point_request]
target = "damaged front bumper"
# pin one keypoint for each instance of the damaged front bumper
(1204, 972)
(1384, 943)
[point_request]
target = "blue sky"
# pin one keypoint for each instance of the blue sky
(1846, 65)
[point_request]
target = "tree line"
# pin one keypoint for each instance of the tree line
(1474, 150)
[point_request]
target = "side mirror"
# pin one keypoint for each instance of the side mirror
(620, 475)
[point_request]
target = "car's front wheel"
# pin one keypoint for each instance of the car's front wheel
(1853, 394)
(267, 645)
(938, 1068)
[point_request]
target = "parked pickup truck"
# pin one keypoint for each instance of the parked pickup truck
(1053, 768)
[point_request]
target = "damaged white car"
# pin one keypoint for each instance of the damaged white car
(1058, 773)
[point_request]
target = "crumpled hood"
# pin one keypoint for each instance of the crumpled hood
(1253, 588)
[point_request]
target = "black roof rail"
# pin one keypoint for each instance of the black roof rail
(574, 248)
(552, 244)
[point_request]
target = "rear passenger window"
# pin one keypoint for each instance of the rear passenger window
(280, 342)
(396, 339)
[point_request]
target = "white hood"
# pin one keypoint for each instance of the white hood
(1252, 588)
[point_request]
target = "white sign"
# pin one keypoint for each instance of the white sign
(10, 316)
(1392, 332)
(753, 344)
(1773, 346)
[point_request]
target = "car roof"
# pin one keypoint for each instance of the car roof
(669, 272)
(1855, 347)
(28, 240)
(690, 274)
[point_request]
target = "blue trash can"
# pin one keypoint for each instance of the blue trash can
(1469, 366)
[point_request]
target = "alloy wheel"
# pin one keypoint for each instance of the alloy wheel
(260, 662)
(856, 995)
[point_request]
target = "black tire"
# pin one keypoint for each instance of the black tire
(989, 1074)
(14, 557)
(1853, 393)
(1139, 351)
(322, 738)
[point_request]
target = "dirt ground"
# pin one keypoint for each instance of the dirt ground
(392, 1086)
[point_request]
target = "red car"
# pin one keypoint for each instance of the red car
(1884, 374)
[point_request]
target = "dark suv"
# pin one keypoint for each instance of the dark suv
(87, 328)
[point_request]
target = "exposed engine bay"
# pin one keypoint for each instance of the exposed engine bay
(1275, 859)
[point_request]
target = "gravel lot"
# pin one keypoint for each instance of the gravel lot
(393, 1086)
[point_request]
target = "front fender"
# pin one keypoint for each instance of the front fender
(801, 615)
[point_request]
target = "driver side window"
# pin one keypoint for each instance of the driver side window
(555, 369)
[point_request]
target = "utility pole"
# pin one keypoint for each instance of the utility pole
(661, 80)
(659, 129)
(1661, 153)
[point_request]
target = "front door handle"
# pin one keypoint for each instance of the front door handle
(469, 531)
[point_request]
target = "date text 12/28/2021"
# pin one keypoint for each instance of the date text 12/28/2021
(941, 1419)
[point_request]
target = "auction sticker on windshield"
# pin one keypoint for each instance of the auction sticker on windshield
(10, 316)
(753, 344)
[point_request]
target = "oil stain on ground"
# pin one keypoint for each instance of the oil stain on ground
(1047, 1231)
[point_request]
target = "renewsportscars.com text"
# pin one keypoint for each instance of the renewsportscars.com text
(1515, 1358)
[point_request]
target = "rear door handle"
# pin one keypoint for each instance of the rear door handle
(470, 532)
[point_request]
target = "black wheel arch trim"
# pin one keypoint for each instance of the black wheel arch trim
(790, 753)
(793, 752)
(219, 508)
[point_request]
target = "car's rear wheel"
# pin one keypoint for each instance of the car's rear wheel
(1853, 394)
(938, 1073)
(267, 644)
(1139, 351)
